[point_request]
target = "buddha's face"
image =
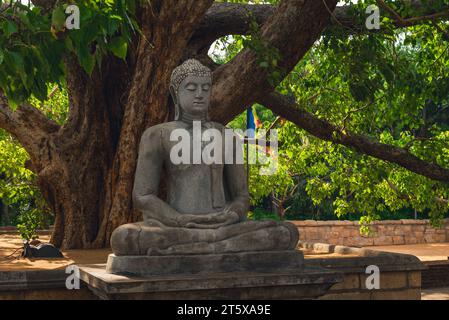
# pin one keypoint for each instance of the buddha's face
(194, 95)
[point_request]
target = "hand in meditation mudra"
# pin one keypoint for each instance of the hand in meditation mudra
(206, 207)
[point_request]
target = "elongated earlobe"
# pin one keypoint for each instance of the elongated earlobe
(174, 96)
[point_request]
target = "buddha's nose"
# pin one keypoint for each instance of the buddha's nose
(199, 93)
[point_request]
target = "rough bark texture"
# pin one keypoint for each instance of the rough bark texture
(230, 18)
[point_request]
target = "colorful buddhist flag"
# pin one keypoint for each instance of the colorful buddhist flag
(250, 125)
(257, 121)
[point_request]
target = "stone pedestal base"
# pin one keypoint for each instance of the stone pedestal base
(308, 283)
(268, 261)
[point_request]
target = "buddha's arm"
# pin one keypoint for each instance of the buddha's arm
(236, 179)
(146, 186)
(147, 178)
(237, 182)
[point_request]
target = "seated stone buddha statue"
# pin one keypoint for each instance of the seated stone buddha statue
(206, 207)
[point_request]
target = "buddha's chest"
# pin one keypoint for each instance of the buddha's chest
(196, 187)
(186, 147)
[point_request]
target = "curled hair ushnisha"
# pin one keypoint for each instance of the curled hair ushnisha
(189, 67)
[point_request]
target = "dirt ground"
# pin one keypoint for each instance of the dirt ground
(9, 260)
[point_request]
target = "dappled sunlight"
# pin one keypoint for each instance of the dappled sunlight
(10, 259)
(425, 252)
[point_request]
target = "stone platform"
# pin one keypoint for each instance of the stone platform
(269, 261)
(307, 283)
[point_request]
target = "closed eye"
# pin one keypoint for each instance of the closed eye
(191, 86)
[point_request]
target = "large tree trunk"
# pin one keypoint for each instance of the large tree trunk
(74, 165)
(86, 169)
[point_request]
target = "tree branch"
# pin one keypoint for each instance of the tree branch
(230, 18)
(32, 128)
(291, 30)
(326, 131)
(46, 5)
(25, 118)
(407, 22)
(408, 197)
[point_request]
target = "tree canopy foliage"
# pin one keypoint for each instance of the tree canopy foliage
(367, 110)
(391, 86)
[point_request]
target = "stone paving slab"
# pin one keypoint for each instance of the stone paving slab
(435, 294)
(430, 252)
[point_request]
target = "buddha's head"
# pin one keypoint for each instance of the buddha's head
(190, 88)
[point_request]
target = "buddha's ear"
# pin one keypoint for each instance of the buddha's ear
(174, 95)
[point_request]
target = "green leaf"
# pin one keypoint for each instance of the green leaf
(69, 44)
(263, 64)
(9, 28)
(58, 19)
(87, 61)
(119, 47)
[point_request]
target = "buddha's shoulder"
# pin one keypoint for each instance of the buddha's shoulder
(217, 125)
(160, 130)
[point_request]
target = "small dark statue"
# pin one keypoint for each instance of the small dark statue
(37, 249)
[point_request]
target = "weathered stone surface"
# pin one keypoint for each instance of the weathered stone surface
(333, 235)
(351, 281)
(412, 221)
(323, 247)
(346, 250)
(265, 261)
(364, 295)
(31, 279)
(383, 240)
(435, 238)
(398, 240)
(390, 232)
(354, 232)
(310, 222)
(365, 241)
(393, 280)
(414, 279)
(344, 223)
(313, 235)
(418, 228)
(410, 239)
(307, 283)
(409, 294)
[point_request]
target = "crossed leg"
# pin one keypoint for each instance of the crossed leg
(153, 238)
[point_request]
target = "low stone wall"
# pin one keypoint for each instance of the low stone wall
(387, 232)
(400, 274)
(13, 230)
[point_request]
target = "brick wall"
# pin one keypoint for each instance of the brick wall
(13, 230)
(387, 232)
